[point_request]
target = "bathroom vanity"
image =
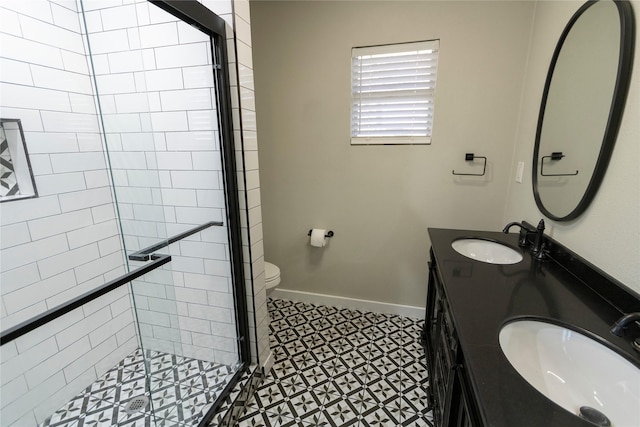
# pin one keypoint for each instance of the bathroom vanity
(472, 383)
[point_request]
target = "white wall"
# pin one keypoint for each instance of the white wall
(379, 200)
(608, 233)
(68, 236)
(65, 242)
(155, 82)
(45, 368)
(246, 138)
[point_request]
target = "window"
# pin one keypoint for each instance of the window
(392, 93)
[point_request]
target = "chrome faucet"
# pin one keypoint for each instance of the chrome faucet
(538, 244)
(619, 327)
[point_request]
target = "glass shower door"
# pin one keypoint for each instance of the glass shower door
(154, 78)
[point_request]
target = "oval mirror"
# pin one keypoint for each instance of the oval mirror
(582, 105)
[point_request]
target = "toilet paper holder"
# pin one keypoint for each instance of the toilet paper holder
(329, 233)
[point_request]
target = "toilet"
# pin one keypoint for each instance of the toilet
(271, 276)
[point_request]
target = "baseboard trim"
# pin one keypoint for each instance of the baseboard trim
(352, 303)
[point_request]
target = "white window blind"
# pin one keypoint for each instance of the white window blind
(392, 93)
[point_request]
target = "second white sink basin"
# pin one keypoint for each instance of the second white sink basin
(486, 251)
(574, 371)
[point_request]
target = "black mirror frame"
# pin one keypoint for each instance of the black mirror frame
(621, 89)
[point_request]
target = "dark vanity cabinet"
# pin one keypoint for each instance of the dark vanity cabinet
(449, 390)
(472, 383)
(463, 413)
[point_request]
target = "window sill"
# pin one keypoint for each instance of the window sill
(400, 140)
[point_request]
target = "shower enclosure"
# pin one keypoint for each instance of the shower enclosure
(123, 299)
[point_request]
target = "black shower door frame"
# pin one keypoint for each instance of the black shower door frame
(197, 15)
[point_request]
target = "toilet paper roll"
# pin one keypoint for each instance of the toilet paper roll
(318, 238)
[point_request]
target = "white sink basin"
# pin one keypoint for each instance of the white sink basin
(573, 370)
(486, 251)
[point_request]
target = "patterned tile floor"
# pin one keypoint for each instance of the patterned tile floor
(339, 367)
(180, 391)
(233, 405)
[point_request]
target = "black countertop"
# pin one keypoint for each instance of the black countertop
(483, 296)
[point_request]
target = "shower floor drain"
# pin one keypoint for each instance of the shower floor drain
(137, 404)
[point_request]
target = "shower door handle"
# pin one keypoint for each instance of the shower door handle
(49, 315)
(147, 253)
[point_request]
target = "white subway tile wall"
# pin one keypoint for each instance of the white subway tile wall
(43, 369)
(62, 133)
(162, 133)
(65, 242)
(242, 99)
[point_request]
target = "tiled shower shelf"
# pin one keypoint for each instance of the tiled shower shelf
(180, 391)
